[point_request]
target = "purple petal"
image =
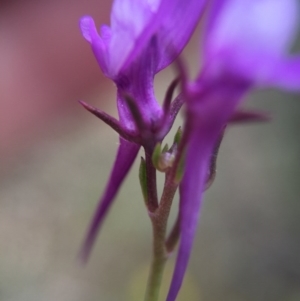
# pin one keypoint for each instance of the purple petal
(206, 116)
(191, 190)
(265, 26)
(179, 20)
(129, 18)
(174, 22)
(200, 147)
(171, 21)
(126, 155)
(250, 36)
(133, 24)
(173, 25)
(90, 33)
(138, 83)
(286, 74)
(131, 29)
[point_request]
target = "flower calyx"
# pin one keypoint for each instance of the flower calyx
(112, 122)
(163, 158)
(249, 116)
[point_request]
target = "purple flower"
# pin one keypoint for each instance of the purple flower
(246, 46)
(145, 36)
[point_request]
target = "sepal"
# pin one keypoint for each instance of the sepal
(143, 179)
(156, 155)
(165, 148)
(212, 168)
(178, 136)
(180, 168)
(112, 122)
(249, 116)
(169, 95)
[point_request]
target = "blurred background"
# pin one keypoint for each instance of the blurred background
(55, 159)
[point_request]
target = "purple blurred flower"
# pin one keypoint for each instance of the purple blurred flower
(245, 46)
(145, 36)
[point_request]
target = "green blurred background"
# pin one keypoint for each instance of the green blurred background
(55, 160)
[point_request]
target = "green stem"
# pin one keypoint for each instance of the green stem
(159, 220)
(158, 263)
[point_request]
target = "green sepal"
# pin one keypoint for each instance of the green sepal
(156, 155)
(178, 136)
(165, 149)
(180, 168)
(143, 179)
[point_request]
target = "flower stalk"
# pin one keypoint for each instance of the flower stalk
(159, 220)
(152, 199)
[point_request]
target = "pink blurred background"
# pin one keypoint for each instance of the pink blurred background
(46, 66)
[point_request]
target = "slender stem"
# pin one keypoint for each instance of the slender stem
(152, 200)
(158, 262)
(159, 220)
(173, 237)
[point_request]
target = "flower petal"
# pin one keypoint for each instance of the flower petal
(133, 25)
(126, 155)
(250, 34)
(172, 24)
(203, 132)
(179, 19)
(191, 190)
(267, 26)
(286, 74)
(89, 32)
(129, 18)
(206, 116)
(171, 21)
(137, 82)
